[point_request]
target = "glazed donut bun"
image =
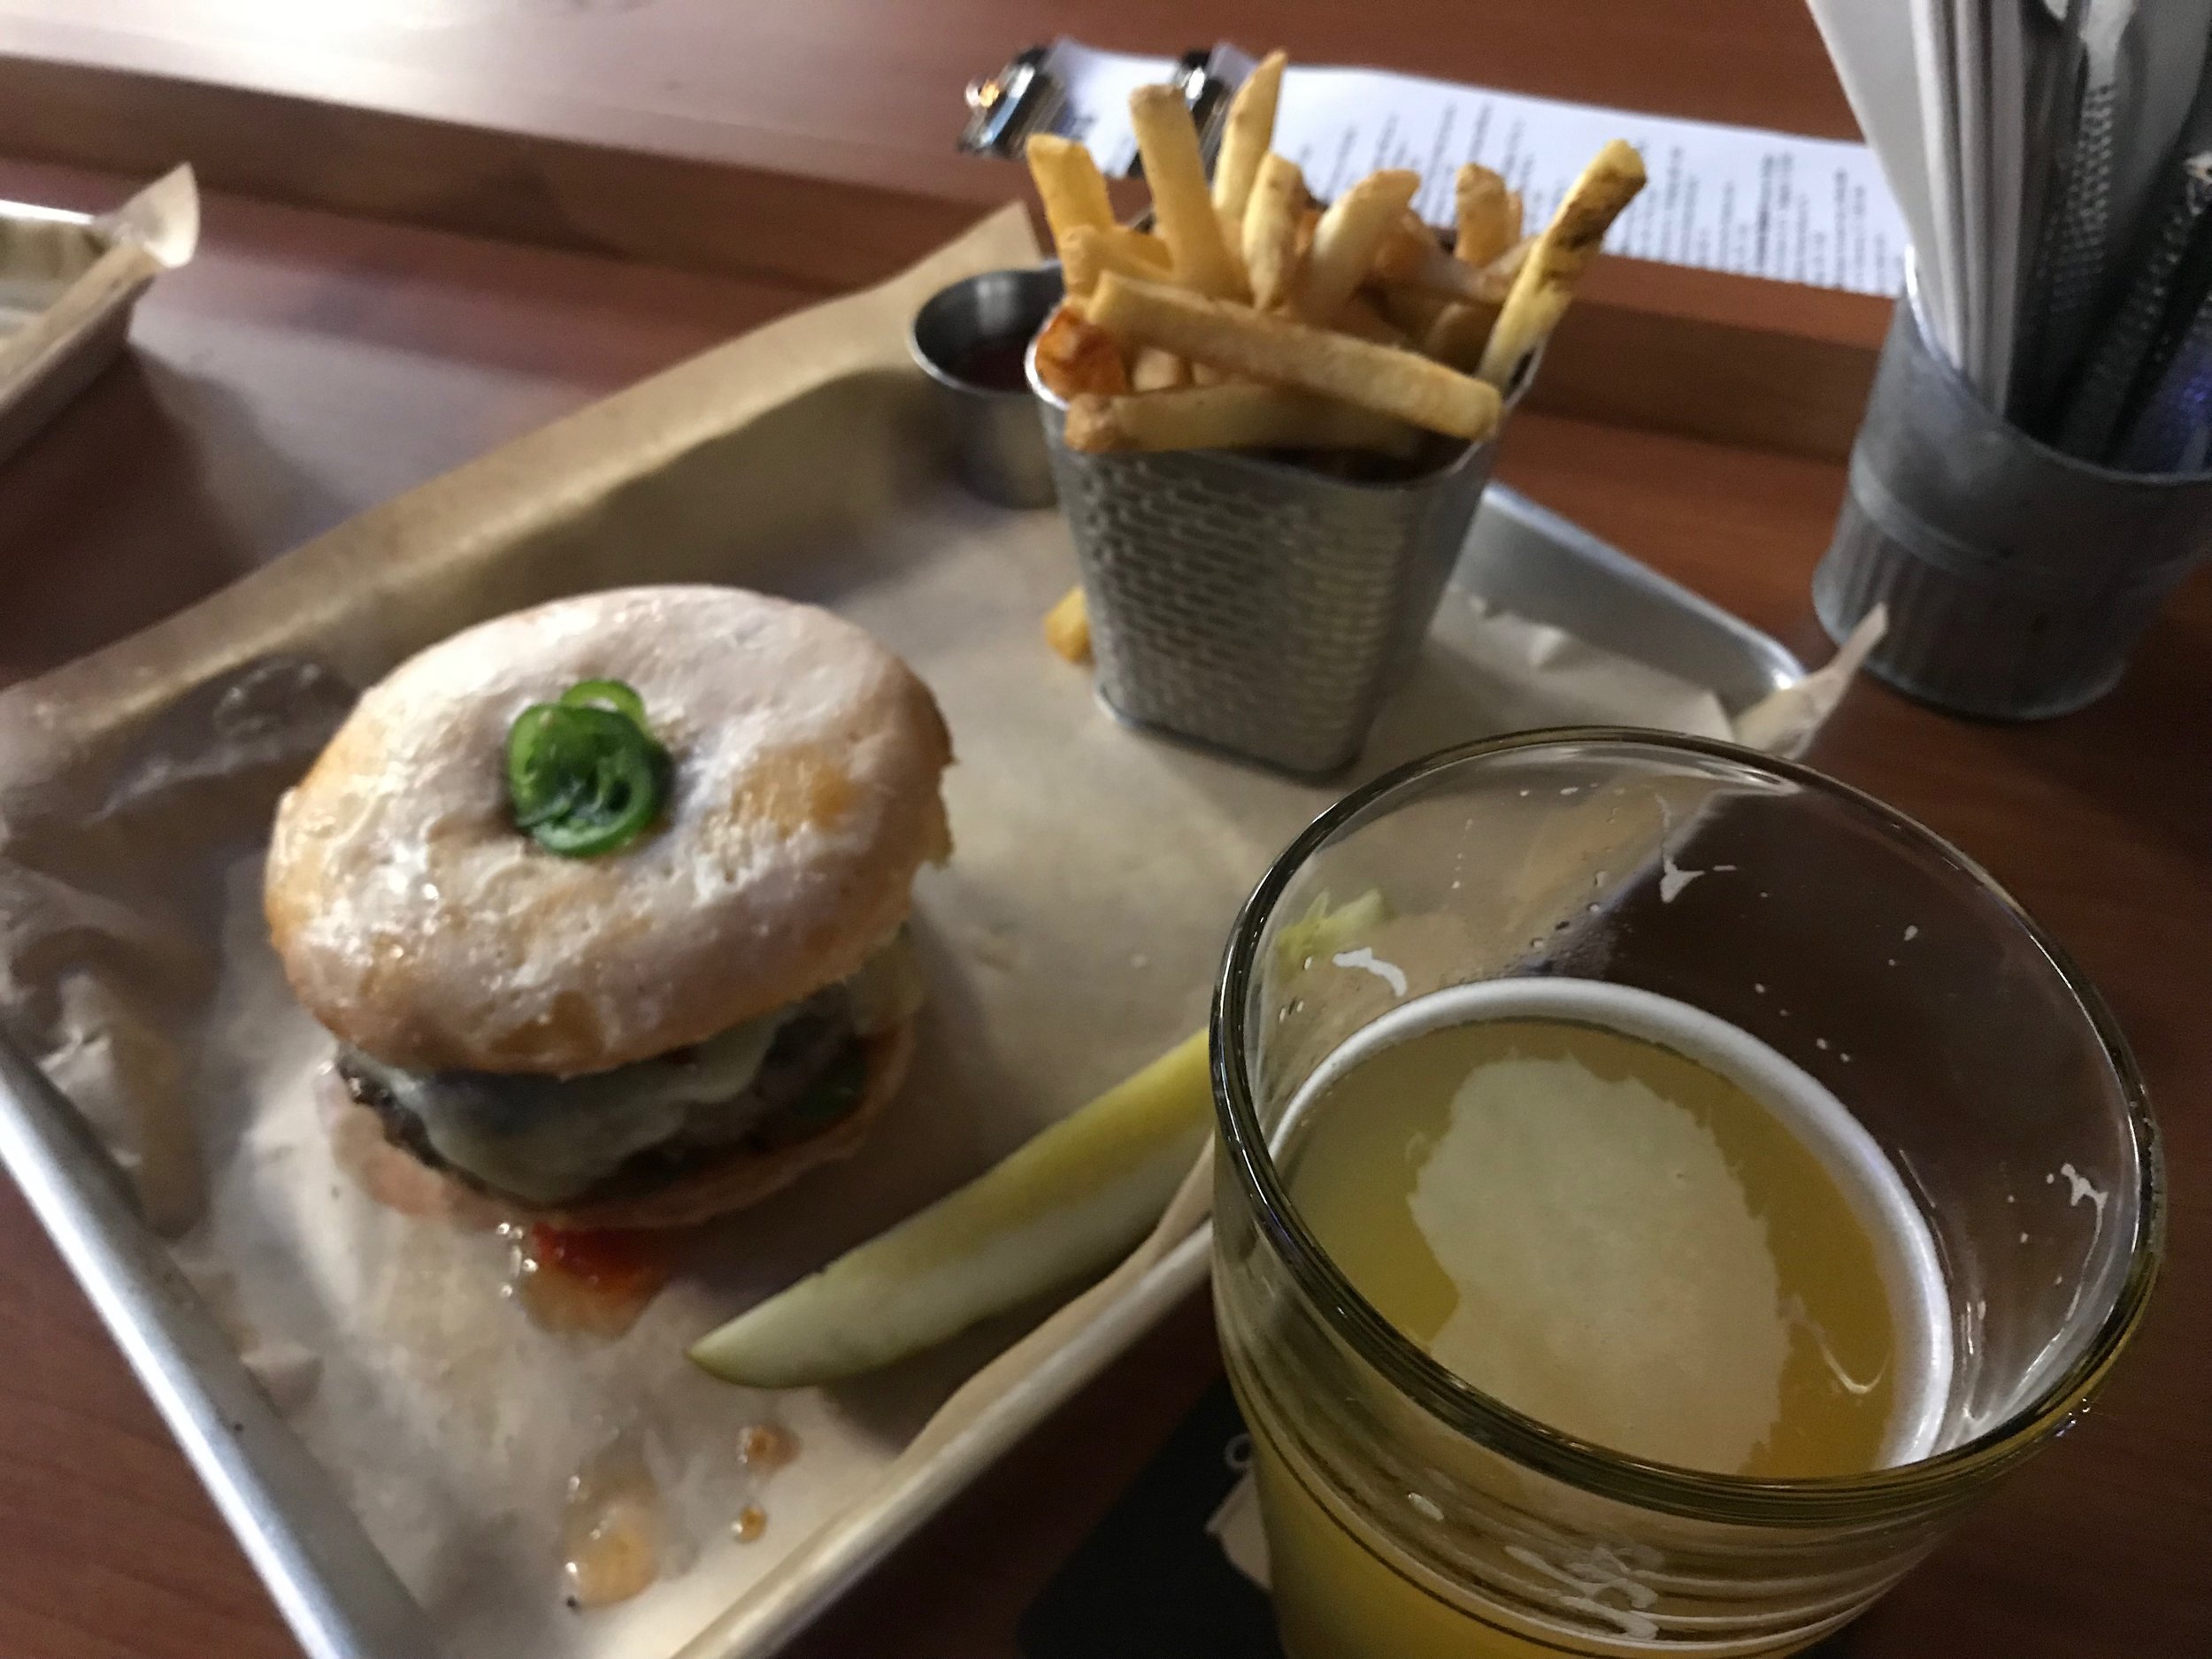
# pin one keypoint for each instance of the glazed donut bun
(439, 941)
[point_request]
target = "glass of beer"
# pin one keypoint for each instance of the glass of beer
(1662, 1189)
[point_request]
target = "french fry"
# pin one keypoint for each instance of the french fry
(1415, 311)
(1345, 241)
(1409, 255)
(1271, 231)
(1075, 357)
(1360, 318)
(1241, 416)
(1168, 140)
(1546, 284)
(1071, 185)
(1463, 329)
(1153, 369)
(1489, 214)
(1498, 276)
(1459, 333)
(1068, 627)
(1245, 136)
(1263, 347)
(1141, 245)
(1087, 250)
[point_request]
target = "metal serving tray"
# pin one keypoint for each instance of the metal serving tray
(331, 1585)
(329, 1580)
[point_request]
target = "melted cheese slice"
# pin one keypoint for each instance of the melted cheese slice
(547, 1139)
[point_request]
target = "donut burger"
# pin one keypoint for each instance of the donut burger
(604, 901)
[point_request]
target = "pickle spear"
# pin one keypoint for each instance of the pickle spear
(1067, 1202)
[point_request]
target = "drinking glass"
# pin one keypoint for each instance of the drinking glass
(1409, 1515)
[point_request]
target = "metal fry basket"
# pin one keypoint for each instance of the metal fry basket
(1252, 605)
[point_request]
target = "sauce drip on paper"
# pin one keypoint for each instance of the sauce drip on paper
(587, 1282)
(621, 1531)
(590, 1283)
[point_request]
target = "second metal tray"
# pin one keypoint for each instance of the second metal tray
(1531, 561)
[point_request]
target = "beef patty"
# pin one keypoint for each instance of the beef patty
(812, 1075)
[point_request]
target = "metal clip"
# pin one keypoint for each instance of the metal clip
(1026, 97)
(1004, 109)
(1208, 96)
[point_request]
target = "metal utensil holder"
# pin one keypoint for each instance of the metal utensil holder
(1255, 606)
(2017, 579)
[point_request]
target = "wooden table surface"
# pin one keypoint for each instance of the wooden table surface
(307, 366)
